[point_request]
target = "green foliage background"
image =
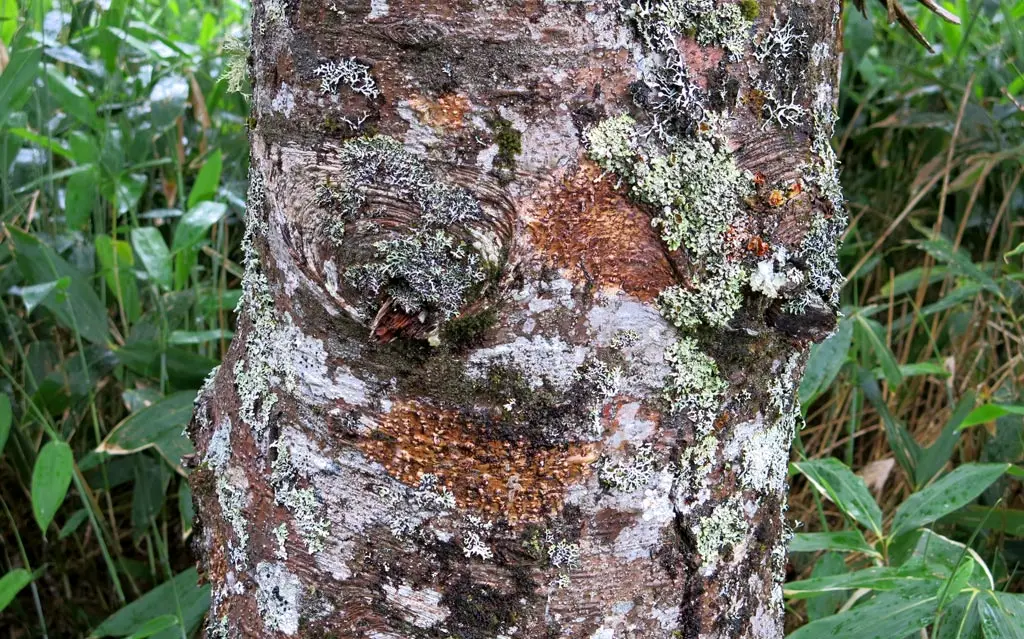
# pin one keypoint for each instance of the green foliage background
(123, 183)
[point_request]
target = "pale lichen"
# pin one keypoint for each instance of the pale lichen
(712, 298)
(693, 386)
(630, 474)
(302, 503)
(348, 72)
(723, 529)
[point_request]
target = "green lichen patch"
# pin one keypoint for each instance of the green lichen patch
(302, 503)
(718, 533)
(693, 387)
(630, 474)
(711, 299)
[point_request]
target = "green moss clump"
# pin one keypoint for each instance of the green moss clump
(750, 9)
(509, 141)
(465, 330)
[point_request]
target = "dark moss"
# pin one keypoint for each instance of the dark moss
(750, 9)
(466, 330)
(510, 144)
(479, 611)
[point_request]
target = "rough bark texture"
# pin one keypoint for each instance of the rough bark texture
(528, 288)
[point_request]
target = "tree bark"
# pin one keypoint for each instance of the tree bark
(527, 294)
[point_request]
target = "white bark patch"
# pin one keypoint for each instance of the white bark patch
(629, 428)
(616, 313)
(284, 101)
(218, 451)
(539, 358)
(378, 9)
(421, 608)
(301, 361)
(278, 597)
(656, 511)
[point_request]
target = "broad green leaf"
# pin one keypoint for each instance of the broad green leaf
(825, 361)
(959, 260)
(82, 308)
(149, 245)
(1002, 615)
(1005, 520)
(205, 186)
(194, 225)
(21, 70)
(959, 619)
(873, 332)
(6, 418)
(149, 487)
(909, 280)
(8, 25)
(11, 584)
(951, 492)
(80, 197)
(876, 578)
(840, 541)
(941, 556)
(158, 426)
(34, 295)
(989, 413)
(829, 564)
(115, 257)
(165, 599)
(848, 491)
(71, 99)
(51, 477)
(199, 337)
(887, 615)
(190, 231)
(155, 625)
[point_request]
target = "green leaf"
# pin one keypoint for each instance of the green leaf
(6, 417)
(1005, 520)
(932, 459)
(116, 259)
(990, 413)
(959, 260)
(1002, 615)
(80, 197)
(11, 584)
(71, 99)
(887, 615)
(199, 337)
(21, 70)
(185, 508)
(51, 477)
(829, 564)
(904, 448)
(155, 625)
(876, 578)
(39, 263)
(942, 557)
(873, 331)
(190, 231)
(951, 492)
(825, 362)
(194, 225)
(840, 541)
(34, 295)
(74, 521)
(8, 25)
(149, 245)
(165, 599)
(158, 426)
(205, 186)
(848, 491)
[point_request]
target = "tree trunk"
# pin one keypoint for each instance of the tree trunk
(527, 294)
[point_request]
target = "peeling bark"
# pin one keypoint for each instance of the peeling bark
(529, 286)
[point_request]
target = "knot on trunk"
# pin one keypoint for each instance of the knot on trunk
(400, 248)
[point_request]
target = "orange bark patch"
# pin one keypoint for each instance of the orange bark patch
(585, 226)
(447, 112)
(516, 481)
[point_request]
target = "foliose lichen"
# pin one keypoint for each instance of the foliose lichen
(693, 386)
(302, 503)
(348, 72)
(725, 527)
(630, 474)
(712, 298)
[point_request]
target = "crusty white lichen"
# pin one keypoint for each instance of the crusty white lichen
(233, 497)
(775, 274)
(474, 535)
(278, 597)
(694, 386)
(629, 474)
